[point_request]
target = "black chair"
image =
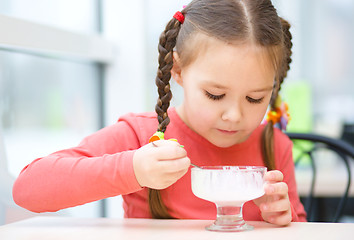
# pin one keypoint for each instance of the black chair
(345, 152)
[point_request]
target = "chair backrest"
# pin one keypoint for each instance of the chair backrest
(313, 143)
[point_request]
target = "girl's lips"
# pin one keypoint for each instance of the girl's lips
(227, 131)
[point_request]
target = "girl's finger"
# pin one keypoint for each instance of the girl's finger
(280, 219)
(176, 165)
(281, 205)
(176, 175)
(279, 188)
(169, 151)
(274, 176)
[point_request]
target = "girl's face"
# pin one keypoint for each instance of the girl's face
(227, 89)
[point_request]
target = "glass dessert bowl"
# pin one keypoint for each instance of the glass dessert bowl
(229, 187)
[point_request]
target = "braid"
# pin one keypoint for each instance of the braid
(285, 66)
(165, 47)
(167, 43)
(268, 146)
(287, 50)
(268, 131)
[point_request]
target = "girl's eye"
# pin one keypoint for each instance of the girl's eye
(254, 101)
(214, 97)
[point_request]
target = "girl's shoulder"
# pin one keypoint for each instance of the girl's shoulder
(281, 137)
(146, 118)
(143, 124)
(282, 145)
(139, 118)
(135, 116)
(278, 134)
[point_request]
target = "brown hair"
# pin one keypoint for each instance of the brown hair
(231, 21)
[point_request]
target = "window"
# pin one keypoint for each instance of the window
(50, 78)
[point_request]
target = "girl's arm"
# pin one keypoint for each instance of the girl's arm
(100, 167)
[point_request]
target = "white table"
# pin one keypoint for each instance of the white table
(39, 228)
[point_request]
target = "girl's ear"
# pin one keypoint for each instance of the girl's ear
(176, 69)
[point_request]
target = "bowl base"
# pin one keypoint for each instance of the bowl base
(229, 228)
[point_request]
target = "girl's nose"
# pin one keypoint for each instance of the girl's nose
(232, 114)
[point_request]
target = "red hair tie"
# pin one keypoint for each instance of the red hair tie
(179, 16)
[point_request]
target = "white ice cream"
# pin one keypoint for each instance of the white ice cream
(228, 185)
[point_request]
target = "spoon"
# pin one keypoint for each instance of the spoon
(195, 166)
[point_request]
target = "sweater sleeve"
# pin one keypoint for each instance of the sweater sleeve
(286, 166)
(99, 167)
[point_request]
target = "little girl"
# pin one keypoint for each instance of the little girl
(230, 57)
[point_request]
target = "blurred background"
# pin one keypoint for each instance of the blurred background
(54, 92)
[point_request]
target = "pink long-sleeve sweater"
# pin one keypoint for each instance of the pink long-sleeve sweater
(101, 167)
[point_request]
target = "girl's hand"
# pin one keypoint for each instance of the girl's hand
(274, 204)
(160, 166)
